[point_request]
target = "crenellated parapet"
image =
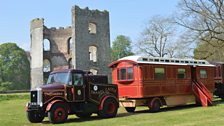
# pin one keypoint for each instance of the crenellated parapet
(37, 23)
(38, 20)
(59, 28)
(57, 32)
(88, 12)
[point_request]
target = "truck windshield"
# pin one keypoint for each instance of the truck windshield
(62, 78)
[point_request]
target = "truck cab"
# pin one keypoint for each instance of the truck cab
(71, 91)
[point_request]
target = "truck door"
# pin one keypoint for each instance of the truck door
(79, 87)
(69, 90)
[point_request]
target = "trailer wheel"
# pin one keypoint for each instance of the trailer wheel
(109, 109)
(83, 115)
(130, 109)
(58, 113)
(34, 116)
(154, 105)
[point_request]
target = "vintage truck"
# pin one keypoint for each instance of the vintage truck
(71, 91)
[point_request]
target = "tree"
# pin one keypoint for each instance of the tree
(208, 52)
(121, 47)
(156, 39)
(14, 67)
(204, 18)
(184, 45)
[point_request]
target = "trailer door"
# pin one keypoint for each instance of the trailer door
(193, 73)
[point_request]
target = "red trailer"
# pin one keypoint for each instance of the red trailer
(219, 79)
(155, 82)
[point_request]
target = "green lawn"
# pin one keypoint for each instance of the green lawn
(12, 113)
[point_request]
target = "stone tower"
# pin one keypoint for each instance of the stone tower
(85, 45)
(37, 35)
(91, 40)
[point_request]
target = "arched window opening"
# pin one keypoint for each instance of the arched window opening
(93, 53)
(92, 28)
(70, 65)
(47, 45)
(69, 45)
(94, 71)
(46, 65)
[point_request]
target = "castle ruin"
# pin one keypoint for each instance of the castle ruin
(85, 45)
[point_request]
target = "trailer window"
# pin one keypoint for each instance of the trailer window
(125, 73)
(159, 73)
(181, 73)
(130, 73)
(203, 74)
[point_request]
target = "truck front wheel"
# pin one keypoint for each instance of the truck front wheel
(109, 109)
(58, 113)
(35, 116)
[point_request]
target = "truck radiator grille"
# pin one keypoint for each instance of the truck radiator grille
(33, 96)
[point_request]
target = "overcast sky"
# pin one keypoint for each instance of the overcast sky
(127, 17)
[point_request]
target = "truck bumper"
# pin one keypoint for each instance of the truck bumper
(33, 107)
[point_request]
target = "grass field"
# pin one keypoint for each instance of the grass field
(12, 113)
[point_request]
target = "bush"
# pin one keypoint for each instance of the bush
(14, 68)
(4, 86)
(14, 96)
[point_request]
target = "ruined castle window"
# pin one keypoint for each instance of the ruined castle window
(47, 45)
(92, 28)
(93, 53)
(69, 45)
(94, 71)
(70, 63)
(46, 65)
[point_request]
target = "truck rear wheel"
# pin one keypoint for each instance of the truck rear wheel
(58, 113)
(83, 115)
(35, 116)
(154, 105)
(109, 109)
(130, 109)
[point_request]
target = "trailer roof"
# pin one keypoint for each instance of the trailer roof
(161, 60)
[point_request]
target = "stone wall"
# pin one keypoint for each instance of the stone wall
(59, 53)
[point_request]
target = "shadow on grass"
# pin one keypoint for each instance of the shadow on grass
(126, 114)
(93, 118)
(77, 120)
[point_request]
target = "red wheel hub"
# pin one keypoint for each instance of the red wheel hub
(111, 108)
(59, 114)
(156, 105)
